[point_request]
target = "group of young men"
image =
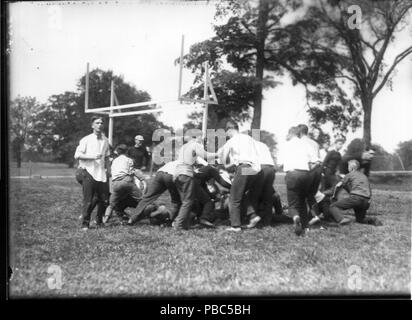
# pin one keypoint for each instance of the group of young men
(197, 181)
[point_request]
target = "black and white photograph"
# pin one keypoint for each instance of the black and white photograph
(249, 148)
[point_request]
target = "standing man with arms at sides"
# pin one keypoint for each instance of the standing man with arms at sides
(295, 157)
(185, 182)
(93, 153)
(139, 154)
(241, 150)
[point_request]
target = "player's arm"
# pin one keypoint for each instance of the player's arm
(81, 154)
(202, 153)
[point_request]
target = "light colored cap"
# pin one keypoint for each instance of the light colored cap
(139, 137)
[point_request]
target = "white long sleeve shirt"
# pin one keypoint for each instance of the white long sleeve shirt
(295, 155)
(265, 157)
(241, 149)
(91, 145)
(122, 166)
(313, 148)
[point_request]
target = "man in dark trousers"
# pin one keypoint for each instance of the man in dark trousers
(139, 154)
(185, 183)
(357, 184)
(162, 181)
(295, 157)
(240, 149)
(125, 192)
(315, 167)
(93, 154)
(268, 178)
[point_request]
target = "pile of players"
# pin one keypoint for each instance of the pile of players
(239, 186)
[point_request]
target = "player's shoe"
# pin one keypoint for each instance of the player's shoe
(253, 222)
(297, 225)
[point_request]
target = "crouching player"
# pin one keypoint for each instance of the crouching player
(125, 192)
(358, 187)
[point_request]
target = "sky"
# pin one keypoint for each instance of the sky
(51, 42)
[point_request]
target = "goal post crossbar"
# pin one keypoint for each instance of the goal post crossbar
(115, 106)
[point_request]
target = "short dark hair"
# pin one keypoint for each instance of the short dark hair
(303, 129)
(232, 125)
(121, 149)
(94, 118)
(293, 131)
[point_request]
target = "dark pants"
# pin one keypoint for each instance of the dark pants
(277, 203)
(240, 184)
(359, 204)
(266, 198)
(297, 184)
(315, 177)
(160, 183)
(186, 187)
(204, 205)
(329, 179)
(124, 194)
(93, 192)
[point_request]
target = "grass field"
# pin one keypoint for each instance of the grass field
(149, 261)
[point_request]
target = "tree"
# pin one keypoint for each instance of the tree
(23, 113)
(351, 59)
(245, 43)
(404, 152)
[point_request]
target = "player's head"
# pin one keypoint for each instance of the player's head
(97, 124)
(303, 130)
(339, 144)
(232, 128)
(353, 165)
(325, 145)
(292, 133)
(121, 149)
(138, 140)
(193, 135)
(316, 133)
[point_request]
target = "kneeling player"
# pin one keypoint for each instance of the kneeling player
(357, 184)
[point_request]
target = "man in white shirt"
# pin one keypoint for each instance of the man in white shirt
(295, 157)
(125, 192)
(241, 150)
(93, 153)
(162, 181)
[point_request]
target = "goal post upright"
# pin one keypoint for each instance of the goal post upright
(86, 95)
(206, 106)
(179, 94)
(110, 113)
